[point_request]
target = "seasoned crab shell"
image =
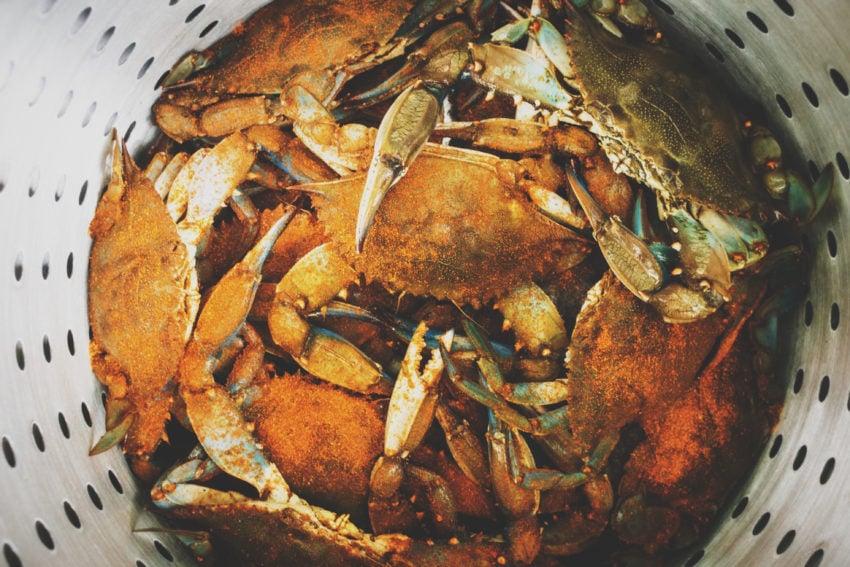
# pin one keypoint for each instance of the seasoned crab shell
(139, 292)
(283, 39)
(457, 227)
(662, 123)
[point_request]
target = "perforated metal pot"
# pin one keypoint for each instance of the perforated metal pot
(72, 70)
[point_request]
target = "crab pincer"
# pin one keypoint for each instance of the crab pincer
(214, 416)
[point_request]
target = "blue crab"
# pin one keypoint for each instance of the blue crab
(693, 391)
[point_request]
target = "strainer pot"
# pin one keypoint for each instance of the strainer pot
(71, 70)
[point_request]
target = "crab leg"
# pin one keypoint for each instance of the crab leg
(404, 329)
(411, 411)
(214, 417)
(527, 138)
(311, 283)
(519, 503)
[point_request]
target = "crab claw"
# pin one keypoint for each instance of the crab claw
(644, 269)
(629, 257)
(401, 136)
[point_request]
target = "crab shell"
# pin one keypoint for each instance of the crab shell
(285, 38)
(455, 227)
(140, 294)
(662, 122)
(705, 418)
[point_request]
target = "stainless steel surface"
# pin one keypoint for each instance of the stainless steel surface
(70, 71)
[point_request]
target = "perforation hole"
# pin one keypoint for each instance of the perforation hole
(63, 426)
(37, 437)
(210, 27)
(19, 355)
(808, 314)
(18, 269)
(815, 559)
(831, 243)
(843, 167)
(740, 507)
(785, 7)
(32, 187)
(72, 515)
(664, 6)
(126, 53)
(798, 381)
(195, 13)
(144, 68)
(104, 39)
(839, 81)
(66, 102)
(129, 131)
(42, 81)
(69, 265)
(8, 452)
(81, 20)
(89, 113)
(60, 188)
(163, 550)
(45, 266)
(110, 124)
(775, 446)
(12, 559)
(116, 484)
(786, 542)
(161, 80)
(761, 523)
(84, 410)
(735, 38)
(834, 316)
(47, 5)
(799, 458)
(69, 339)
(826, 471)
(823, 390)
(83, 190)
(716, 53)
(44, 535)
(811, 95)
(783, 105)
(757, 22)
(94, 497)
(695, 558)
(45, 348)
(140, 563)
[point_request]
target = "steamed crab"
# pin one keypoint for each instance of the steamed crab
(691, 395)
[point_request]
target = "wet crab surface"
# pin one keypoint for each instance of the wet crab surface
(482, 374)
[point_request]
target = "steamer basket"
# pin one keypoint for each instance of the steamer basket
(70, 71)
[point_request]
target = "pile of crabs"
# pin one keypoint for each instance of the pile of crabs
(439, 282)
